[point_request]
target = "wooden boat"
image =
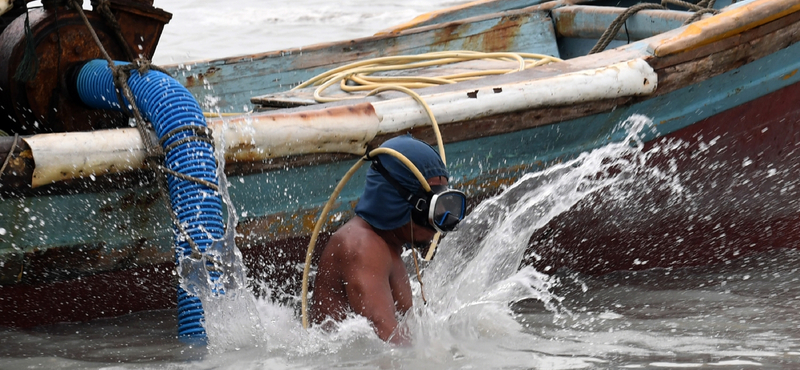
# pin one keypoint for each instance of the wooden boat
(86, 234)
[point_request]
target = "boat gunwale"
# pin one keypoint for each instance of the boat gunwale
(13, 184)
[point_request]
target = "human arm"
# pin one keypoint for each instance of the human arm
(366, 279)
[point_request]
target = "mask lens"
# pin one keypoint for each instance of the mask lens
(448, 211)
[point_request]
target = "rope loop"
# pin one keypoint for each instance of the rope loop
(702, 7)
(202, 133)
(145, 65)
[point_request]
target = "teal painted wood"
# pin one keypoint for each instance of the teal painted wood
(590, 22)
(121, 219)
(111, 222)
(229, 84)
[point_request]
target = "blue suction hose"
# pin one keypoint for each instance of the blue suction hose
(169, 107)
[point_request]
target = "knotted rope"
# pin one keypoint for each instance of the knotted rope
(703, 7)
(154, 157)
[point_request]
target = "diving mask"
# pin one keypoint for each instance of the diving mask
(440, 209)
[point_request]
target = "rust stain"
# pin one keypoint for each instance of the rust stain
(199, 79)
(127, 201)
(143, 201)
(501, 36)
(566, 23)
(790, 75)
(308, 220)
(358, 110)
(148, 199)
(122, 227)
(447, 34)
(496, 180)
(288, 225)
(211, 71)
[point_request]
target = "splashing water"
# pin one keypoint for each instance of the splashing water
(477, 271)
(474, 278)
(231, 319)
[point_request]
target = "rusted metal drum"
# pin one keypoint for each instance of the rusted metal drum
(63, 43)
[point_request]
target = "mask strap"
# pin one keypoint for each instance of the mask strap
(410, 197)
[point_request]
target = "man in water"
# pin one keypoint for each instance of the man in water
(360, 269)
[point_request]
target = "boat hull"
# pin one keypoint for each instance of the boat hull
(80, 254)
(585, 239)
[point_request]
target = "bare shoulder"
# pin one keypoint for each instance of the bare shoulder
(356, 241)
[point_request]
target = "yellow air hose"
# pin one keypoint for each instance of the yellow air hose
(321, 220)
(428, 110)
(360, 73)
(324, 214)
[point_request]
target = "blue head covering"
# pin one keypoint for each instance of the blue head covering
(380, 204)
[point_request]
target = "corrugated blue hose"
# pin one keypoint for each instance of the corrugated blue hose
(168, 105)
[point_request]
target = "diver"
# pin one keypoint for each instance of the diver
(360, 270)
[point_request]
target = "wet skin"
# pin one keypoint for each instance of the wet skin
(361, 271)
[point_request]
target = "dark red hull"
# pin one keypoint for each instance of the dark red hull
(740, 196)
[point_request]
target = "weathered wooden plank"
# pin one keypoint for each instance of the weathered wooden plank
(729, 43)
(743, 49)
(729, 23)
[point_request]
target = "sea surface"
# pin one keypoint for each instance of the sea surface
(483, 310)
(208, 29)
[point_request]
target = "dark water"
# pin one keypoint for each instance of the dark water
(739, 315)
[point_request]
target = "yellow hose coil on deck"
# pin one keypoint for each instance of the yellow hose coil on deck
(361, 72)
